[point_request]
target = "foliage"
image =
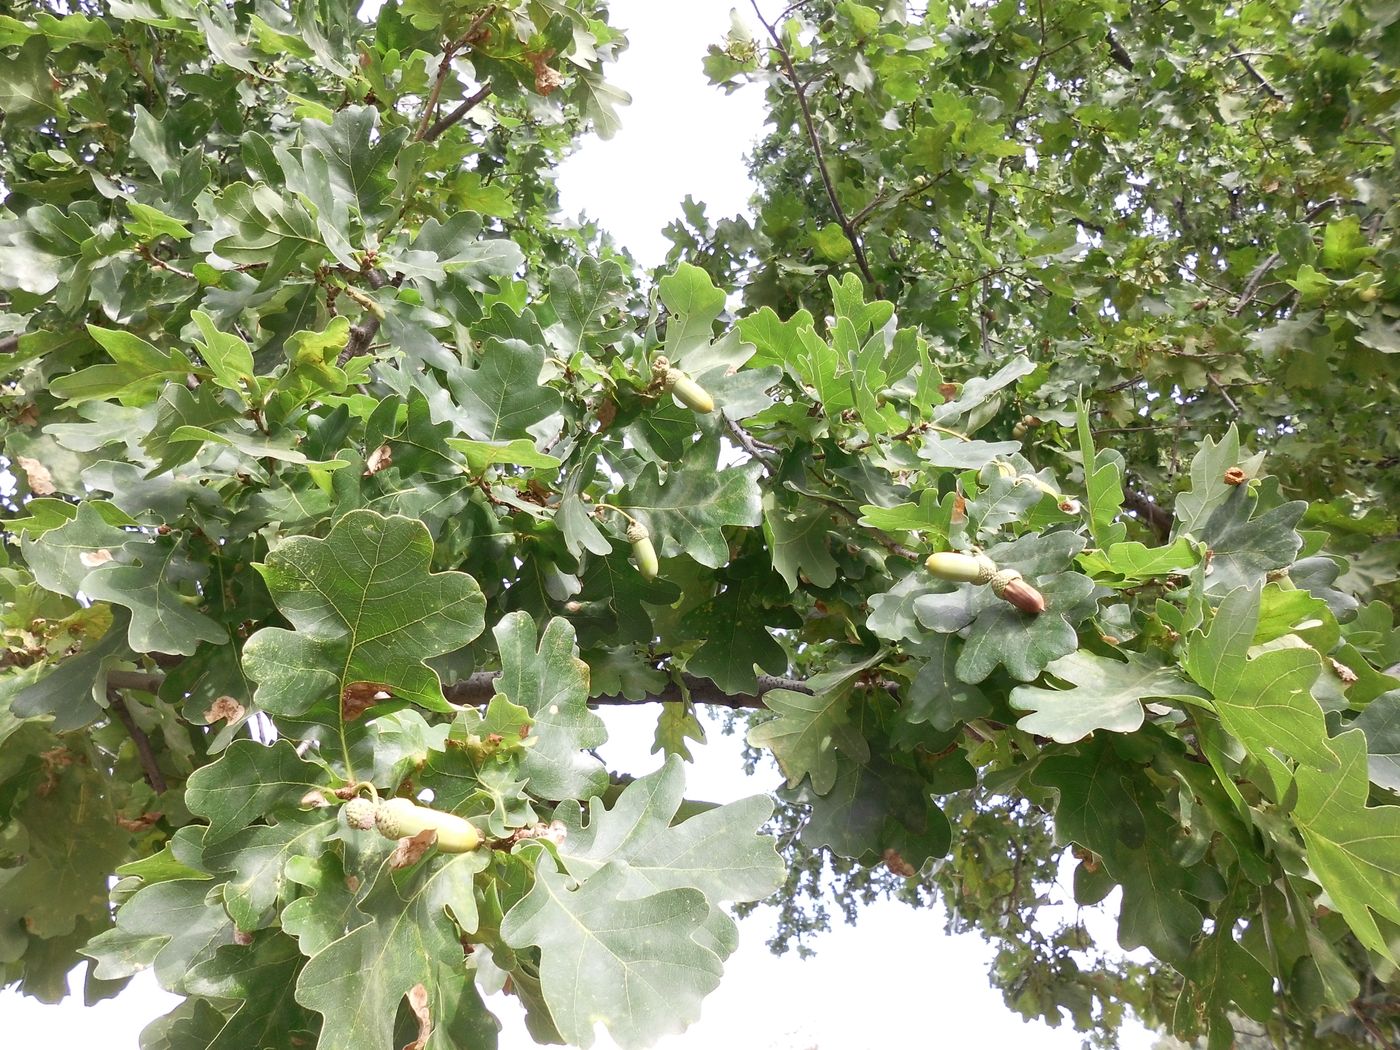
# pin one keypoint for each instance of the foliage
(331, 447)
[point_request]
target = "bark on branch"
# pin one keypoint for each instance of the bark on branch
(144, 751)
(479, 688)
(800, 90)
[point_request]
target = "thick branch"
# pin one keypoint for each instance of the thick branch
(154, 777)
(1119, 53)
(800, 91)
(1157, 518)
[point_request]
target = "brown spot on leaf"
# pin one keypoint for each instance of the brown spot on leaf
(1345, 673)
(897, 864)
(1235, 476)
(379, 459)
(138, 824)
(359, 697)
(418, 1003)
(92, 559)
(410, 850)
(40, 480)
(227, 708)
(241, 937)
(547, 79)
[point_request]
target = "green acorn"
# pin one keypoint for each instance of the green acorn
(398, 818)
(643, 553)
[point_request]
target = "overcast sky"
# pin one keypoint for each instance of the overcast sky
(895, 979)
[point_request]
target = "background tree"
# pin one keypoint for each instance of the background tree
(346, 474)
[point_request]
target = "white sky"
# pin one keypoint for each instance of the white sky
(895, 979)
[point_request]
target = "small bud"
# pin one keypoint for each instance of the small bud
(1009, 586)
(1235, 476)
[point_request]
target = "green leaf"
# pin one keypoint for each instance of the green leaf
(1103, 487)
(807, 732)
(1264, 702)
(693, 304)
(190, 926)
(409, 921)
(798, 543)
(734, 625)
(502, 398)
(261, 978)
(365, 610)
(1135, 562)
(164, 617)
(632, 964)
(1353, 848)
(254, 859)
(1381, 724)
(543, 674)
(687, 512)
(26, 85)
(720, 852)
(250, 780)
(1104, 694)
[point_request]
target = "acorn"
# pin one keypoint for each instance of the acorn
(961, 568)
(1010, 586)
(688, 392)
(643, 552)
(398, 818)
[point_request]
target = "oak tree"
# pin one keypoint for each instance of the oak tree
(1020, 478)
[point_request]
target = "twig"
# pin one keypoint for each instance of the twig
(362, 334)
(479, 688)
(841, 218)
(1269, 89)
(1219, 389)
(879, 537)
(1252, 285)
(161, 264)
(445, 68)
(154, 777)
(468, 104)
(762, 453)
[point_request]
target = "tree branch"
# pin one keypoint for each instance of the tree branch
(362, 334)
(1157, 518)
(468, 104)
(1119, 53)
(444, 69)
(154, 777)
(479, 688)
(842, 219)
(1269, 89)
